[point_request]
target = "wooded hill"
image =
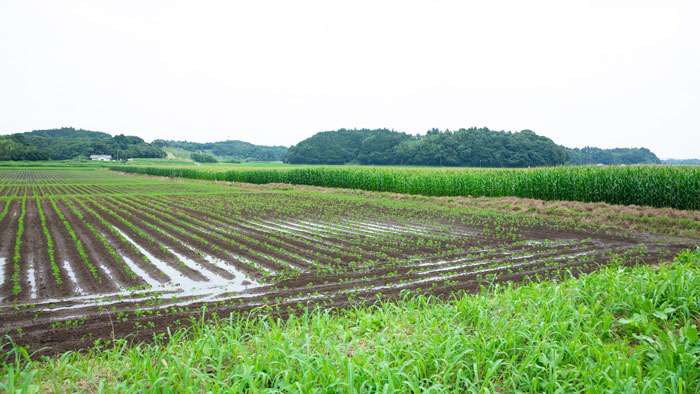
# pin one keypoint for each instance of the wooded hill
(591, 155)
(234, 151)
(473, 147)
(69, 143)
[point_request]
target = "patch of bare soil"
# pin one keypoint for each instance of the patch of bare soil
(342, 253)
(58, 329)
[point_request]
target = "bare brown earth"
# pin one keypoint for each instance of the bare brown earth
(281, 249)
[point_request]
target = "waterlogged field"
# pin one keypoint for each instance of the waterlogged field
(90, 254)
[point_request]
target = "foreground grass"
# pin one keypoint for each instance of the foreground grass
(619, 330)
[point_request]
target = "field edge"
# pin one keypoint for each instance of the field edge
(639, 324)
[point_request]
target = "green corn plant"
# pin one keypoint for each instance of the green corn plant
(56, 272)
(16, 287)
(656, 186)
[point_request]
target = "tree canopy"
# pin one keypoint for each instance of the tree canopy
(69, 143)
(232, 150)
(474, 147)
(345, 146)
(592, 155)
(684, 162)
(202, 157)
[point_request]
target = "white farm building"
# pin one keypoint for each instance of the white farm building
(101, 157)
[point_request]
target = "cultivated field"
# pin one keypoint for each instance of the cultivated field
(654, 186)
(89, 254)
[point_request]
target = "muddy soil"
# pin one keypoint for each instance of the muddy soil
(320, 255)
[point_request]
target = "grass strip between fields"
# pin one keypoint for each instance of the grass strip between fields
(617, 330)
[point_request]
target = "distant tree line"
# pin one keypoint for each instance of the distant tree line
(233, 150)
(15, 147)
(473, 147)
(685, 162)
(69, 143)
(591, 155)
(202, 157)
(67, 132)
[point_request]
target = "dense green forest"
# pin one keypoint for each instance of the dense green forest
(465, 147)
(231, 150)
(15, 147)
(202, 157)
(67, 132)
(684, 162)
(473, 147)
(343, 146)
(69, 143)
(591, 155)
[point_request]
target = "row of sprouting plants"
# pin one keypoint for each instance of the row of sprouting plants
(213, 228)
(253, 231)
(364, 288)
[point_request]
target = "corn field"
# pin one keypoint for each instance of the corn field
(656, 186)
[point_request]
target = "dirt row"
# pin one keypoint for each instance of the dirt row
(106, 325)
(293, 250)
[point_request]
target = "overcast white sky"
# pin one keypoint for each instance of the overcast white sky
(602, 73)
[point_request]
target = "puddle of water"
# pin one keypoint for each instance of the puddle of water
(241, 280)
(239, 276)
(200, 292)
(181, 283)
(31, 278)
(325, 228)
(141, 273)
(295, 266)
(367, 229)
(177, 279)
(343, 228)
(108, 272)
(381, 228)
(298, 231)
(150, 281)
(74, 279)
(211, 276)
(2, 271)
(375, 227)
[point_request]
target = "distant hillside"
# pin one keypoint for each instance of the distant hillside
(230, 150)
(684, 162)
(346, 146)
(69, 143)
(591, 155)
(67, 132)
(474, 147)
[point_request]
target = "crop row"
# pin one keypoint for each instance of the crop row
(119, 247)
(85, 183)
(351, 243)
(657, 186)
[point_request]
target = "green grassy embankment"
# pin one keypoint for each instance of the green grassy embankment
(617, 330)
